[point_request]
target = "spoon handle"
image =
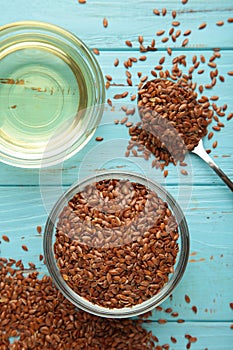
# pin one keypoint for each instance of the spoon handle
(201, 152)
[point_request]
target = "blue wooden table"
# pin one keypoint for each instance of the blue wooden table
(28, 195)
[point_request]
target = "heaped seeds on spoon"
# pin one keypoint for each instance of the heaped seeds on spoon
(167, 113)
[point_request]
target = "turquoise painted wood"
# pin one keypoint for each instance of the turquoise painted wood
(28, 195)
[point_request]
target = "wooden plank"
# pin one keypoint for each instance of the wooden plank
(111, 151)
(208, 278)
(211, 336)
(127, 19)
(111, 155)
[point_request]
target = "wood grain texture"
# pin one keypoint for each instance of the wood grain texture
(28, 195)
(127, 19)
(211, 336)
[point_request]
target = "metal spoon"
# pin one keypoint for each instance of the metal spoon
(201, 152)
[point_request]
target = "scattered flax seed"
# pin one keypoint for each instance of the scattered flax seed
(168, 310)
(164, 11)
(99, 138)
(169, 51)
(174, 14)
(105, 22)
(180, 320)
(96, 51)
(165, 173)
(14, 106)
(210, 135)
(230, 116)
(231, 305)
(130, 112)
(175, 23)
(143, 79)
(171, 31)
(39, 229)
(230, 20)
(185, 42)
(154, 73)
(173, 339)
(220, 23)
(128, 124)
(119, 96)
(187, 298)
(165, 39)
(5, 238)
(162, 60)
(215, 144)
(162, 321)
(159, 308)
(156, 12)
(212, 64)
(194, 59)
(216, 128)
(187, 32)
(129, 82)
(124, 120)
(230, 72)
(116, 62)
(127, 153)
(128, 43)
(174, 314)
(194, 308)
(24, 247)
(221, 78)
(135, 153)
(108, 77)
(128, 74)
(217, 54)
(200, 71)
(184, 172)
(177, 34)
(109, 101)
(82, 1)
(133, 97)
(32, 265)
(124, 94)
(140, 39)
(202, 58)
(214, 98)
(202, 25)
(160, 32)
(142, 58)
(41, 257)
(221, 125)
(184, 2)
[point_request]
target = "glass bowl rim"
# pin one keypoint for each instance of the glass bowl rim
(180, 266)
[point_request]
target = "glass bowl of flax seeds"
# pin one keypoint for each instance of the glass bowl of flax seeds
(116, 244)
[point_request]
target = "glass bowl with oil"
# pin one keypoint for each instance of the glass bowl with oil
(51, 94)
